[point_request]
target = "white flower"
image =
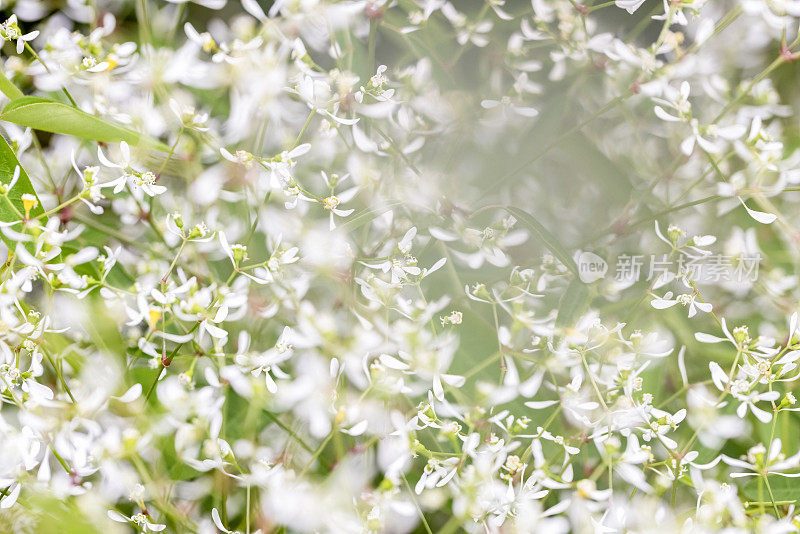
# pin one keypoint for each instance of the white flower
(145, 180)
(281, 166)
(760, 462)
(687, 299)
(333, 201)
(268, 361)
(505, 103)
(140, 520)
(188, 116)
(242, 157)
(437, 473)
(9, 31)
(742, 391)
(204, 40)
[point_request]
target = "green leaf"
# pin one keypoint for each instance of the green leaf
(8, 162)
(784, 489)
(51, 116)
(8, 88)
(54, 515)
(574, 302)
(544, 236)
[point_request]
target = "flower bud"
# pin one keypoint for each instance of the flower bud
(787, 400)
(239, 253)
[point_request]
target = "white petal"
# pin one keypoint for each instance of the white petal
(664, 116)
(215, 331)
(132, 394)
(454, 380)
(252, 7)
(718, 375)
(760, 216)
(357, 429)
(708, 338)
(116, 516)
(662, 304)
(761, 415)
(9, 500)
(704, 306)
(217, 521)
(223, 241)
(392, 363)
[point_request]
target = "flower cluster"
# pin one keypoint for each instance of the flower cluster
(315, 266)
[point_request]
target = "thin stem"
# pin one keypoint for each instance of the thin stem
(416, 504)
(171, 150)
(174, 261)
(373, 27)
(305, 127)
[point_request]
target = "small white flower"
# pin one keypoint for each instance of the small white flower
(9, 31)
(140, 520)
(686, 299)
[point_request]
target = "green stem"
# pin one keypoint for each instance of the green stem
(174, 261)
(305, 127)
(373, 27)
(171, 150)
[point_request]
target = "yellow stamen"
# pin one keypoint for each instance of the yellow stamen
(28, 203)
(155, 315)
